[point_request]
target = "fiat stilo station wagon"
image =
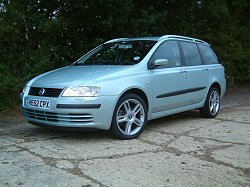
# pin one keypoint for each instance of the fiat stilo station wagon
(125, 82)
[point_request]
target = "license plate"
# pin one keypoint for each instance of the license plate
(38, 103)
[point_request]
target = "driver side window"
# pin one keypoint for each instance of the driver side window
(168, 50)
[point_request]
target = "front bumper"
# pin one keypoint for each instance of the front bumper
(73, 112)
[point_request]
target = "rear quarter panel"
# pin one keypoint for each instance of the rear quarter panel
(216, 74)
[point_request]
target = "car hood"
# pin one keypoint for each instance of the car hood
(72, 76)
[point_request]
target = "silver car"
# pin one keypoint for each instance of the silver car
(125, 82)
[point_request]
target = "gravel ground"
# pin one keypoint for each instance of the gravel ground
(178, 150)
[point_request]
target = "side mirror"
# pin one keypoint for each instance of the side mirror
(160, 62)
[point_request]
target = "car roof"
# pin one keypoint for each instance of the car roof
(160, 38)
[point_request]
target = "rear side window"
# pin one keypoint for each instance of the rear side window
(191, 54)
(207, 54)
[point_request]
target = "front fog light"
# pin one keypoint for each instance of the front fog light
(84, 91)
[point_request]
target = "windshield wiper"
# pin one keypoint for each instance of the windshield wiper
(79, 64)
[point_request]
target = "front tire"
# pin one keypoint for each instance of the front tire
(129, 118)
(212, 104)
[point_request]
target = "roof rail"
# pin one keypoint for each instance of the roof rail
(183, 38)
(115, 40)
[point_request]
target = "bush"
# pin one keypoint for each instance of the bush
(37, 36)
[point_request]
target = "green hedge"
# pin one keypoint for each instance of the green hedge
(37, 36)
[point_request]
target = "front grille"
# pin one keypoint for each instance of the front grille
(49, 92)
(57, 117)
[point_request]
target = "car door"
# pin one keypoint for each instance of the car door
(168, 81)
(197, 73)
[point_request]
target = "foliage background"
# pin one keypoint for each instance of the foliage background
(36, 36)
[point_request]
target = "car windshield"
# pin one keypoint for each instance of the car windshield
(117, 53)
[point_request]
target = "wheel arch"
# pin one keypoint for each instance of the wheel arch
(216, 85)
(138, 92)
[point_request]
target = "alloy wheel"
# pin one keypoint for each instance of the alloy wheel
(214, 102)
(130, 117)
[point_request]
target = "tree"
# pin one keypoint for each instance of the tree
(37, 36)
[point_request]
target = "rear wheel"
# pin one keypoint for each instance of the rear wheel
(129, 118)
(212, 104)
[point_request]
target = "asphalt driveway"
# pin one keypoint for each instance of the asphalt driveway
(179, 150)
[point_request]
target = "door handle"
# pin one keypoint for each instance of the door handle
(205, 69)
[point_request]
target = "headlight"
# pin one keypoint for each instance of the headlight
(84, 91)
